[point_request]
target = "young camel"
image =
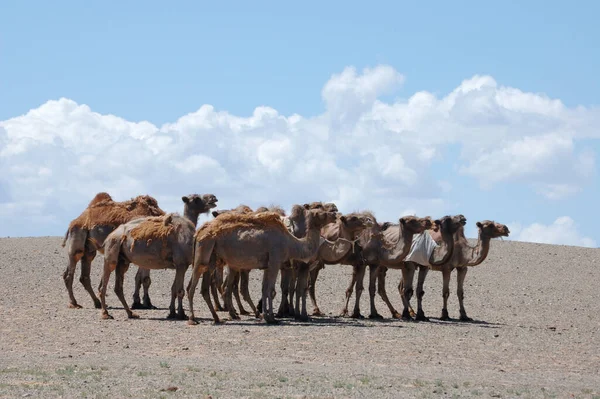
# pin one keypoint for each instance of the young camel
(163, 242)
(246, 242)
(464, 256)
(86, 234)
(445, 228)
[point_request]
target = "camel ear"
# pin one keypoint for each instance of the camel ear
(306, 206)
(185, 199)
(437, 222)
(386, 225)
(479, 224)
(215, 213)
(402, 221)
(343, 219)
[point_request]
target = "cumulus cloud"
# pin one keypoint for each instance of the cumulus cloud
(361, 152)
(563, 230)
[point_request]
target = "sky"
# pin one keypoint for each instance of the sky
(489, 110)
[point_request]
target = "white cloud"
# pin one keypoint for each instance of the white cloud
(361, 152)
(562, 231)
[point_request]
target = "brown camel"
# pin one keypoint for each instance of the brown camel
(382, 245)
(445, 227)
(86, 234)
(464, 256)
(252, 241)
(294, 269)
(161, 242)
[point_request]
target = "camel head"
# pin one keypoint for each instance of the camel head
(200, 203)
(489, 228)
(329, 206)
(356, 222)
(449, 224)
(415, 224)
(320, 217)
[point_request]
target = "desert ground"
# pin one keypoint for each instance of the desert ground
(536, 334)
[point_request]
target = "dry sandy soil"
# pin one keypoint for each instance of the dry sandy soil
(537, 334)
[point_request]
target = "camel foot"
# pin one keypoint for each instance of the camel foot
(235, 316)
(444, 315)
(181, 316)
(406, 315)
(74, 306)
(344, 313)
(412, 313)
(244, 312)
(133, 315)
(375, 316)
(465, 318)
(172, 316)
(218, 322)
(421, 317)
(272, 320)
(220, 308)
(106, 316)
(302, 318)
(259, 306)
(139, 305)
(317, 312)
(97, 304)
(357, 315)
(396, 315)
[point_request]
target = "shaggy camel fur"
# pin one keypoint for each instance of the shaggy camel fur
(464, 256)
(86, 234)
(445, 227)
(382, 245)
(254, 241)
(163, 242)
(194, 206)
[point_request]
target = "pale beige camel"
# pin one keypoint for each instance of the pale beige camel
(161, 242)
(445, 228)
(252, 241)
(86, 234)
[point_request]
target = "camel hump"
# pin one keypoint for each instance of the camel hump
(100, 197)
(168, 219)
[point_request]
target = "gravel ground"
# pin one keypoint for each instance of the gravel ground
(536, 334)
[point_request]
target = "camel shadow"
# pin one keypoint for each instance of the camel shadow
(460, 323)
(320, 321)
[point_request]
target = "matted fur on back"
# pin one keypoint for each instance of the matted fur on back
(157, 227)
(103, 211)
(233, 221)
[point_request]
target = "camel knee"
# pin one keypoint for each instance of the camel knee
(460, 294)
(85, 279)
(446, 294)
(420, 294)
(146, 281)
(408, 293)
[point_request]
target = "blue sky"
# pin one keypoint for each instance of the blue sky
(145, 61)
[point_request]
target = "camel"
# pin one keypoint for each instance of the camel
(445, 227)
(86, 234)
(252, 241)
(382, 245)
(292, 270)
(463, 257)
(159, 242)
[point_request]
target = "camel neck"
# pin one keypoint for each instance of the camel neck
(305, 249)
(443, 253)
(191, 215)
(399, 249)
(479, 252)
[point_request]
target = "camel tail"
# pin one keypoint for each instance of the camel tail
(65, 239)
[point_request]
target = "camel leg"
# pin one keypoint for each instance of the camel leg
(245, 288)
(284, 305)
(408, 274)
(214, 289)
(292, 283)
(108, 269)
(301, 287)
(205, 291)
(142, 279)
(84, 278)
(461, 273)
(311, 290)
(178, 293)
(373, 271)
(382, 292)
(349, 291)
(445, 293)
(360, 287)
(229, 284)
(423, 270)
(269, 279)
(236, 292)
(122, 268)
(191, 289)
(68, 276)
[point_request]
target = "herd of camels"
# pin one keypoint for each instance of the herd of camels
(299, 245)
